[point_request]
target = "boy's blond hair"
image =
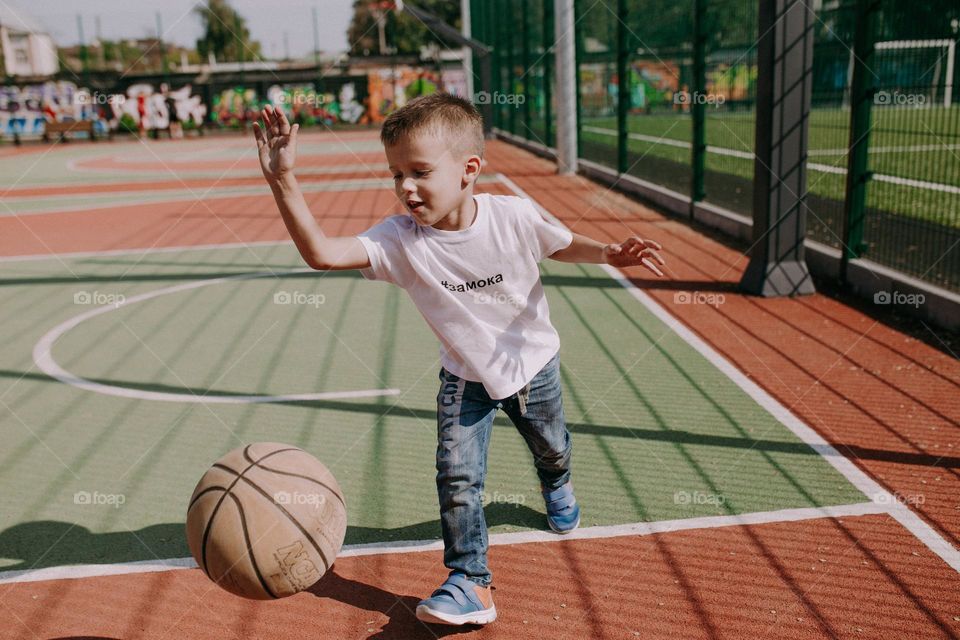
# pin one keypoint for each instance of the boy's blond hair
(447, 116)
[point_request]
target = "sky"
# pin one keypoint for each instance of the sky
(268, 21)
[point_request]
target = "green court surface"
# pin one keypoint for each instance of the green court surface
(659, 433)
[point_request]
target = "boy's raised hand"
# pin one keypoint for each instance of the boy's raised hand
(634, 251)
(276, 143)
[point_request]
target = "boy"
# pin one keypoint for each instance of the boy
(470, 264)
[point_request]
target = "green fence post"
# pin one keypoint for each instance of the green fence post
(547, 72)
(511, 65)
(578, 55)
(623, 86)
(496, 36)
(697, 106)
(525, 76)
(862, 90)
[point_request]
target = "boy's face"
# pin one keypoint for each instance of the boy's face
(430, 176)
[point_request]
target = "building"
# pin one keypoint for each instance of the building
(28, 50)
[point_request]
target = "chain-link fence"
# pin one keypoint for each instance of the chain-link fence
(685, 120)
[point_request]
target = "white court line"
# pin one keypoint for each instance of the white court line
(519, 537)
(116, 199)
(43, 356)
(891, 505)
(815, 166)
(145, 250)
(145, 178)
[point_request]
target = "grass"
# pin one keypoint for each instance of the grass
(935, 129)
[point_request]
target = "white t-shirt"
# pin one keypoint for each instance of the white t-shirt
(478, 288)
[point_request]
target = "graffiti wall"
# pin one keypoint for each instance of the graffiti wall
(391, 88)
(358, 99)
(25, 110)
(302, 103)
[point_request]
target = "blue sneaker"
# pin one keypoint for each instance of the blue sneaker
(458, 601)
(563, 512)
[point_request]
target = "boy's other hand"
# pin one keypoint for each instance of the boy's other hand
(276, 143)
(633, 252)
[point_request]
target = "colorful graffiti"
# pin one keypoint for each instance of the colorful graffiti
(302, 103)
(24, 111)
(359, 99)
(735, 82)
(391, 88)
(652, 83)
(307, 106)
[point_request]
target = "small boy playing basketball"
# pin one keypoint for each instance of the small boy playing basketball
(470, 264)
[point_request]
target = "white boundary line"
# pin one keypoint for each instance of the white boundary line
(146, 179)
(59, 204)
(43, 356)
(519, 537)
(891, 505)
(144, 250)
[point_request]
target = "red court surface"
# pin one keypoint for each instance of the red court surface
(785, 580)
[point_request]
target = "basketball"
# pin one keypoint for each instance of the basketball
(266, 521)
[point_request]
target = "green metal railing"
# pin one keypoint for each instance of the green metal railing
(666, 93)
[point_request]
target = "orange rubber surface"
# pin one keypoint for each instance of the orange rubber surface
(852, 578)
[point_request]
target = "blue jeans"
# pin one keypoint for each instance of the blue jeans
(465, 414)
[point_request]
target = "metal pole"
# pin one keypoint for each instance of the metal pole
(623, 86)
(162, 48)
(84, 63)
(862, 90)
(466, 27)
(525, 54)
(101, 59)
(784, 83)
(697, 107)
(547, 72)
(316, 40)
(565, 68)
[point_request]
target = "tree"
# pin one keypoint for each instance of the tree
(402, 31)
(225, 35)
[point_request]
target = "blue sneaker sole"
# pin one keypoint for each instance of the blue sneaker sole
(484, 616)
(564, 531)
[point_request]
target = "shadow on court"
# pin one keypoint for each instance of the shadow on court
(399, 609)
(50, 543)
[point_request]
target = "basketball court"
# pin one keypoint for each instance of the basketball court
(746, 467)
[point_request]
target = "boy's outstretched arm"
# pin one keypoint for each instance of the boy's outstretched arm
(277, 146)
(631, 252)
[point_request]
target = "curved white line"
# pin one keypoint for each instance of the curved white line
(43, 357)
